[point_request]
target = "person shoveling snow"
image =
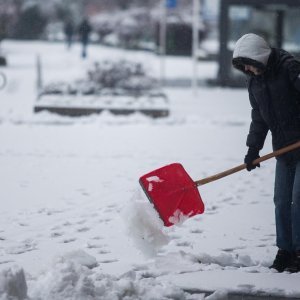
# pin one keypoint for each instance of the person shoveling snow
(274, 93)
(274, 90)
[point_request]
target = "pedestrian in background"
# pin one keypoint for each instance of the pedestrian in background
(84, 31)
(69, 33)
(274, 93)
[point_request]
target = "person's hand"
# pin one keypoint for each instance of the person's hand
(251, 155)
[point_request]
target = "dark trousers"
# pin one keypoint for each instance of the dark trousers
(84, 43)
(287, 205)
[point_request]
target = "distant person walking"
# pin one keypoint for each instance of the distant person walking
(84, 31)
(69, 33)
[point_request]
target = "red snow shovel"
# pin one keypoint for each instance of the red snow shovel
(174, 194)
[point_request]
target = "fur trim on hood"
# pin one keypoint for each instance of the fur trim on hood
(253, 50)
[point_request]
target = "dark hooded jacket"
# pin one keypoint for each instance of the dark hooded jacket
(274, 95)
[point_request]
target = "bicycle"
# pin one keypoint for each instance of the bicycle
(3, 81)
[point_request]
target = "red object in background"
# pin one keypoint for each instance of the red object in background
(172, 191)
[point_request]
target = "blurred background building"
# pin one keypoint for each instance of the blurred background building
(134, 24)
(128, 23)
(278, 21)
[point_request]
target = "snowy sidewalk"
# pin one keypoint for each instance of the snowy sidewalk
(70, 194)
(238, 285)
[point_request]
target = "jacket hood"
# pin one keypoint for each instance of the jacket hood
(251, 49)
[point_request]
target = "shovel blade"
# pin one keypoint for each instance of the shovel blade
(173, 193)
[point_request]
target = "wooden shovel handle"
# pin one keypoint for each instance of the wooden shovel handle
(243, 166)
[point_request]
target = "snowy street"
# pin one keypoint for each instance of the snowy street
(74, 219)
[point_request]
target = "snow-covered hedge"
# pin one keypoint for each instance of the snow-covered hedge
(108, 77)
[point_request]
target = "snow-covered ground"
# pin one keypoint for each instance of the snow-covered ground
(74, 223)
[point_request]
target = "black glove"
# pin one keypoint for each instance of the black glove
(251, 155)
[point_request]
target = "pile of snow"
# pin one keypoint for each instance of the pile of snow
(144, 225)
(82, 258)
(66, 279)
(13, 284)
(69, 278)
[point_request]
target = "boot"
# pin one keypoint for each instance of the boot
(295, 265)
(282, 260)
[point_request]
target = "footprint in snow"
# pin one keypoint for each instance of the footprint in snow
(83, 229)
(228, 249)
(68, 240)
(27, 246)
(108, 210)
(235, 123)
(56, 234)
(141, 267)
(256, 228)
(212, 210)
(147, 275)
(2, 262)
(93, 246)
(266, 239)
(183, 244)
(261, 245)
(50, 212)
(108, 261)
(57, 227)
(232, 249)
(112, 205)
(85, 194)
(81, 222)
(104, 220)
(227, 199)
(93, 215)
(23, 224)
(196, 231)
(266, 194)
(104, 252)
(271, 235)
(67, 224)
(80, 190)
(243, 239)
(97, 238)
